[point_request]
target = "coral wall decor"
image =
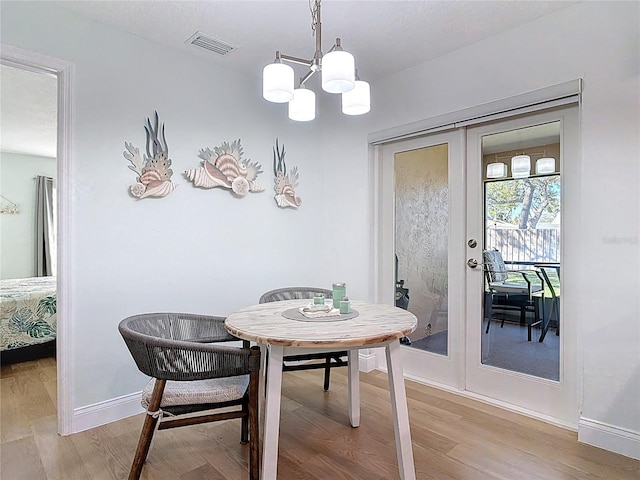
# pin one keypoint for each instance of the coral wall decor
(224, 167)
(285, 185)
(154, 174)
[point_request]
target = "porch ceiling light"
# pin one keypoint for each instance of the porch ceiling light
(496, 170)
(520, 166)
(545, 165)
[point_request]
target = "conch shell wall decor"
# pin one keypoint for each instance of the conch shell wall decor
(224, 167)
(154, 174)
(285, 184)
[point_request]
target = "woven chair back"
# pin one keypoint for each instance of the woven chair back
(294, 293)
(184, 347)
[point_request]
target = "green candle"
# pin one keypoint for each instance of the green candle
(344, 306)
(339, 291)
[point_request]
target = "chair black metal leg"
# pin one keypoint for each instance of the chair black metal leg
(536, 318)
(546, 320)
(557, 310)
(488, 302)
(327, 373)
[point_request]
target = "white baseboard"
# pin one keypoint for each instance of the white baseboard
(105, 412)
(91, 416)
(490, 401)
(367, 362)
(609, 437)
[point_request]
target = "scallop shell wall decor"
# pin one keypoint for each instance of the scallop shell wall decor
(224, 167)
(153, 172)
(285, 184)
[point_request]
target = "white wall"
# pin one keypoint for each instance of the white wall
(560, 47)
(194, 250)
(204, 251)
(17, 232)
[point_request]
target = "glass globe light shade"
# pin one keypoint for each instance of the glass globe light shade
(520, 166)
(338, 72)
(357, 101)
(303, 106)
(496, 170)
(277, 83)
(545, 165)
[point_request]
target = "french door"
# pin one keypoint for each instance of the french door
(535, 372)
(436, 211)
(421, 255)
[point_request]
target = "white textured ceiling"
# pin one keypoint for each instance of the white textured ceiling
(28, 112)
(385, 37)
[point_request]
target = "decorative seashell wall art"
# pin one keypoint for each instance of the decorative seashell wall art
(224, 167)
(154, 174)
(285, 184)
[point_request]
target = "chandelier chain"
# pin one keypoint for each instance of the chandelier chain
(313, 8)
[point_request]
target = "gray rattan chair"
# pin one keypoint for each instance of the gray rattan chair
(331, 359)
(510, 290)
(192, 374)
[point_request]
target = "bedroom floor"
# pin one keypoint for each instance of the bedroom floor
(454, 438)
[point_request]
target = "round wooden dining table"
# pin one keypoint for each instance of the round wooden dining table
(280, 328)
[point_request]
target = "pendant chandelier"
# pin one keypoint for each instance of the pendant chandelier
(338, 76)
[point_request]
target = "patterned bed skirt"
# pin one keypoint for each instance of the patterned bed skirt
(27, 312)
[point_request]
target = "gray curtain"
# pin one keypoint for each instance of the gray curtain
(45, 227)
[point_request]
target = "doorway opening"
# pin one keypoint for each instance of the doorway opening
(28, 252)
(448, 220)
(62, 71)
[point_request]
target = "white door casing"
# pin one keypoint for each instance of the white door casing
(35, 62)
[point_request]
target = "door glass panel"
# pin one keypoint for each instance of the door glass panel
(422, 243)
(521, 170)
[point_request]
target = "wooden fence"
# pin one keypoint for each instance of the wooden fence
(530, 245)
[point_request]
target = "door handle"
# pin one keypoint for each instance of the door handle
(472, 263)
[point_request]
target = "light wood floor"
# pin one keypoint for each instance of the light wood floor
(453, 438)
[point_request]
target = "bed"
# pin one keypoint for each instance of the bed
(27, 318)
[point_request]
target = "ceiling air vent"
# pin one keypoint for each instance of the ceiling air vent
(214, 45)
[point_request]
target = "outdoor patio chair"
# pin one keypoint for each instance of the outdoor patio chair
(511, 290)
(331, 359)
(191, 374)
(402, 300)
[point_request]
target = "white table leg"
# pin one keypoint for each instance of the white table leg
(353, 368)
(404, 450)
(272, 414)
(262, 387)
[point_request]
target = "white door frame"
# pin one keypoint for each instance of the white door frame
(35, 62)
(556, 95)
